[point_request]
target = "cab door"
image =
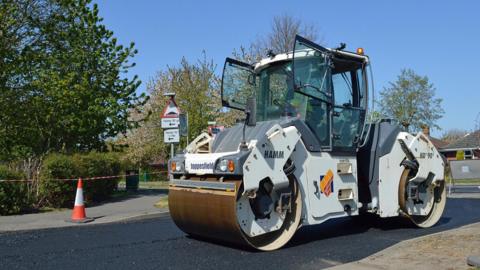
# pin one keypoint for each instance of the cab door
(348, 109)
(312, 78)
(238, 84)
(331, 170)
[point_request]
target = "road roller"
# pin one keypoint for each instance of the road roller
(303, 154)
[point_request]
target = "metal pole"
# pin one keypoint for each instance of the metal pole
(187, 130)
(171, 150)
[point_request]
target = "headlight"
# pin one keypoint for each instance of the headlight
(179, 167)
(176, 166)
(226, 164)
(223, 165)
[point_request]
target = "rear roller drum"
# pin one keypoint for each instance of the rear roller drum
(435, 200)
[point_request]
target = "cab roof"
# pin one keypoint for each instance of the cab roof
(265, 62)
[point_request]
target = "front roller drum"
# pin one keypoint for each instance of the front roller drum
(208, 209)
(205, 212)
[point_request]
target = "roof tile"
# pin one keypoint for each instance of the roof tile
(471, 140)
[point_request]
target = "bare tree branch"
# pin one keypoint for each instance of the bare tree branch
(280, 39)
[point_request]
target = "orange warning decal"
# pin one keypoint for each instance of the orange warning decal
(326, 183)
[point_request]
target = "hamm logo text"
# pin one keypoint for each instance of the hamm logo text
(273, 154)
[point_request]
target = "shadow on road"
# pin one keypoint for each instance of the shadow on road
(348, 226)
(458, 212)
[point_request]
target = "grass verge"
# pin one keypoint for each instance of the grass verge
(162, 203)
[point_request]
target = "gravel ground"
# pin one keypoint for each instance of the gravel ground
(445, 250)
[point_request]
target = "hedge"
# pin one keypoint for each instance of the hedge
(62, 193)
(13, 195)
(99, 164)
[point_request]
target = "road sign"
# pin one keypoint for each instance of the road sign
(171, 110)
(170, 122)
(184, 124)
(171, 135)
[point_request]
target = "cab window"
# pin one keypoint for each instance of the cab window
(342, 83)
(348, 111)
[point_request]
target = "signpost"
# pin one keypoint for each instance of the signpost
(171, 136)
(170, 123)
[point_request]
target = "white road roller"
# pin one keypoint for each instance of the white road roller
(303, 156)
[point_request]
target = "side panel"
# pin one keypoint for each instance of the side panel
(390, 171)
(379, 142)
(325, 190)
(268, 157)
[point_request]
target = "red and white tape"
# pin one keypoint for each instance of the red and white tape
(83, 178)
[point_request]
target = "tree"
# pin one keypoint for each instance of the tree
(280, 39)
(63, 78)
(16, 34)
(197, 90)
(411, 101)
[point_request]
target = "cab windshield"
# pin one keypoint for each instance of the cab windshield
(276, 97)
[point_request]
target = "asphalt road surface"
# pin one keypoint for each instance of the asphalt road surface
(158, 244)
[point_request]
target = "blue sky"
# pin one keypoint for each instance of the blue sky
(440, 39)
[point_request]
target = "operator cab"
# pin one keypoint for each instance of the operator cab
(324, 88)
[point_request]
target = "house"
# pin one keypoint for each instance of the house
(436, 142)
(469, 144)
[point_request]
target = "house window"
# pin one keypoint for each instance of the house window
(468, 154)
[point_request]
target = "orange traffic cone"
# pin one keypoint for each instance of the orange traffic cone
(78, 214)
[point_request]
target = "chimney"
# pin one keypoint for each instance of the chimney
(426, 130)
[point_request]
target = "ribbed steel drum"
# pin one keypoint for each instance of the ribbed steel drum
(208, 209)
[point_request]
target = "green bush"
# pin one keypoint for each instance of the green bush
(62, 193)
(460, 155)
(99, 164)
(13, 195)
(154, 175)
(58, 193)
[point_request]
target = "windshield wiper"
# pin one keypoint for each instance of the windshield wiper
(328, 96)
(298, 87)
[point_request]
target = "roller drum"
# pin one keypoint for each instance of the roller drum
(205, 209)
(204, 212)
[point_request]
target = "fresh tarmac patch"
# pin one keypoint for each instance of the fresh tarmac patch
(157, 243)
